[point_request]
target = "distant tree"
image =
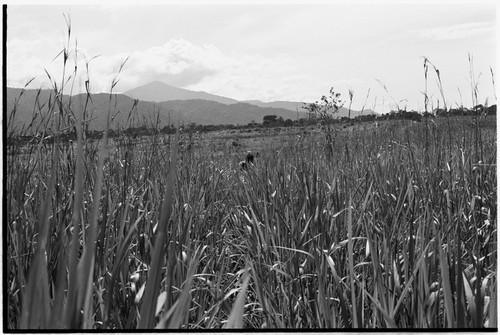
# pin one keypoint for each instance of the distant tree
(269, 120)
(252, 124)
(492, 110)
(439, 112)
(364, 118)
(428, 115)
(478, 109)
(170, 129)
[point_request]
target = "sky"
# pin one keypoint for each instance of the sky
(269, 52)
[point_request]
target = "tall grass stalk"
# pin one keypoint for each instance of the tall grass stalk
(154, 275)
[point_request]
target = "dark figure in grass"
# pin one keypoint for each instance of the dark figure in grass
(249, 160)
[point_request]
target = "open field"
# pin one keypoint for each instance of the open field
(372, 227)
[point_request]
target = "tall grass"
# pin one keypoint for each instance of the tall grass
(393, 237)
(394, 227)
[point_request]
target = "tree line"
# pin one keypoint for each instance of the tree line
(268, 121)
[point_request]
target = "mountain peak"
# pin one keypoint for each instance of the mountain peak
(158, 91)
(157, 83)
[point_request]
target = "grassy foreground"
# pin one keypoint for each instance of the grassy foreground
(393, 226)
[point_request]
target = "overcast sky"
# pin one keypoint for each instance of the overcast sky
(272, 52)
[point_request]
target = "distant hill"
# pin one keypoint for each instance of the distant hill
(291, 105)
(158, 92)
(126, 114)
(294, 106)
(133, 108)
(211, 112)
(121, 108)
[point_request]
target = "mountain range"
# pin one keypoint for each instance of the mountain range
(152, 103)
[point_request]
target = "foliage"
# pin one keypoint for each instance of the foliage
(326, 107)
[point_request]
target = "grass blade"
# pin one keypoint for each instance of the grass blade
(235, 319)
(446, 285)
(154, 275)
(355, 323)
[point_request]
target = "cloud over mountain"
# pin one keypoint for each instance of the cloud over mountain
(178, 62)
(182, 63)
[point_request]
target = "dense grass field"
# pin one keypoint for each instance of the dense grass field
(392, 226)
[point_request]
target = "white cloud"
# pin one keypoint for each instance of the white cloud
(199, 67)
(181, 63)
(458, 31)
(247, 77)
(178, 62)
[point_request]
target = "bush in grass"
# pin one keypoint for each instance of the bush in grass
(324, 111)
